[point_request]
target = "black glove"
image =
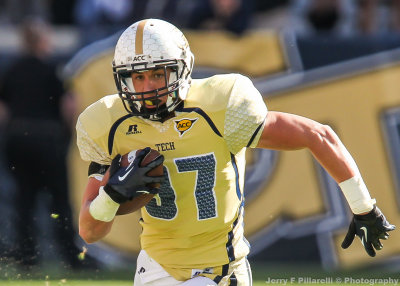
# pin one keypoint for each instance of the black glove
(370, 228)
(125, 183)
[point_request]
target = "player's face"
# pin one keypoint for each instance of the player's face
(151, 80)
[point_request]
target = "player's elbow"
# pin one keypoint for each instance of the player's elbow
(88, 236)
(324, 135)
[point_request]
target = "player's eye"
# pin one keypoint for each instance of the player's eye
(159, 75)
(137, 77)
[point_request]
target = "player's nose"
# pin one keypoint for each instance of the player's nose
(148, 84)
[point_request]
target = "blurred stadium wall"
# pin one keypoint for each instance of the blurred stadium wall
(294, 210)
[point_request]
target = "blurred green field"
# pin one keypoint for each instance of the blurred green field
(85, 283)
(263, 275)
(66, 283)
(129, 283)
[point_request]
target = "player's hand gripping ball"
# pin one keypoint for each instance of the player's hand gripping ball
(134, 179)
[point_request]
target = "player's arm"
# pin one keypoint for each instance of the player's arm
(91, 229)
(101, 203)
(284, 131)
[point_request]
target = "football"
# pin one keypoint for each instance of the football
(143, 199)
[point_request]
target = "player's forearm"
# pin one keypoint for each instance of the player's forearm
(97, 212)
(335, 158)
(284, 131)
(90, 229)
(333, 155)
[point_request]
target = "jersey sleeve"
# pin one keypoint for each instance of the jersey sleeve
(245, 115)
(88, 148)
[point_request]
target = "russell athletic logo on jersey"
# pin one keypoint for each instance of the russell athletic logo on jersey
(184, 125)
(133, 129)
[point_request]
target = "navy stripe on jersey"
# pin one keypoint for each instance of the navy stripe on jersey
(230, 251)
(225, 269)
(238, 192)
(229, 245)
(233, 280)
(254, 134)
(206, 117)
(113, 129)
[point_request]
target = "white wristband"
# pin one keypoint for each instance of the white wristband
(357, 195)
(103, 207)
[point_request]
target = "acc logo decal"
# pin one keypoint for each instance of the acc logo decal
(139, 58)
(184, 125)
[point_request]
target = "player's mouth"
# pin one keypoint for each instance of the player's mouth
(152, 103)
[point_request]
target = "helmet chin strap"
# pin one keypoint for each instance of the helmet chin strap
(162, 116)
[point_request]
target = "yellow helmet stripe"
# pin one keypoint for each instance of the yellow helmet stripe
(139, 37)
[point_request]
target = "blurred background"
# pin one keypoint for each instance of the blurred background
(334, 61)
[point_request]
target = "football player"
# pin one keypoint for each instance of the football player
(194, 234)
